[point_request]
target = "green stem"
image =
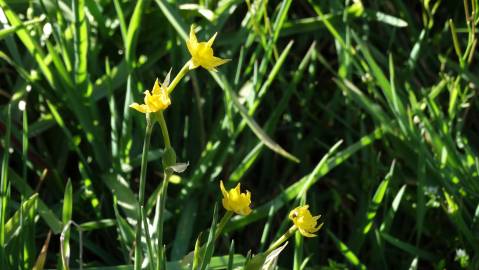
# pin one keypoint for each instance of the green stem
(4, 185)
(161, 219)
(222, 223)
(141, 191)
(164, 129)
(281, 240)
(163, 192)
(144, 160)
(179, 76)
(24, 175)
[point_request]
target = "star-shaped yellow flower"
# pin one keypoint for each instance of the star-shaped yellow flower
(155, 100)
(202, 53)
(306, 223)
(234, 200)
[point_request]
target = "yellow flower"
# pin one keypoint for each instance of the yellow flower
(306, 223)
(234, 200)
(155, 101)
(202, 53)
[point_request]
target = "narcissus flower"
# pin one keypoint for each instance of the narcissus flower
(306, 223)
(155, 100)
(202, 53)
(234, 200)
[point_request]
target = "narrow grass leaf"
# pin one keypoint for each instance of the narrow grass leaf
(45, 212)
(4, 177)
(40, 262)
(412, 250)
(346, 252)
(66, 218)
(11, 30)
(13, 225)
(388, 219)
(80, 48)
(210, 243)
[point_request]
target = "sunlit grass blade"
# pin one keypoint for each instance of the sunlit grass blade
(80, 39)
(149, 245)
(14, 225)
(11, 30)
(32, 45)
(66, 218)
(4, 178)
(46, 213)
(210, 243)
(347, 252)
(173, 17)
(133, 31)
(388, 219)
(366, 222)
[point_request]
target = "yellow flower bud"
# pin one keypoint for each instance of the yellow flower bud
(234, 200)
(202, 52)
(306, 223)
(155, 100)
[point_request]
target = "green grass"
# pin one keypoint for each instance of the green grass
(366, 113)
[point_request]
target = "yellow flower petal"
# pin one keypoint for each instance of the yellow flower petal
(223, 190)
(156, 88)
(211, 40)
(306, 234)
(141, 108)
(192, 42)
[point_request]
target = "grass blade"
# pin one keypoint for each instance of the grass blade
(4, 186)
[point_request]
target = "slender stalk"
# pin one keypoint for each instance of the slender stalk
(179, 76)
(144, 160)
(281, 240)
(164, 129)
(4, 186)
(141, 191)
(227, 216)
(161, 219)
(167, 161)
(24, 175)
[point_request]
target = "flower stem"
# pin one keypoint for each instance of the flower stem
(179, 76)
(161, 218)
(168, 160)
(281, 240)
(144, 160)
(219, 229)
(164, 129)
(141, 191)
